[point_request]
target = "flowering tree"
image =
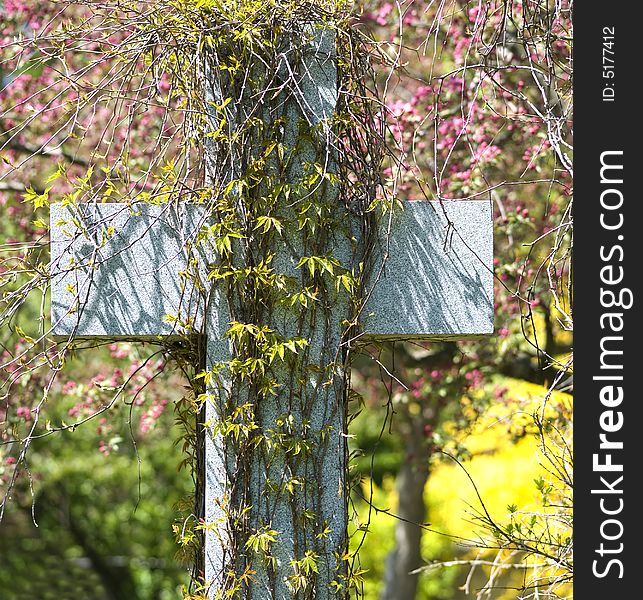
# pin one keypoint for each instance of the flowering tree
(480, 107)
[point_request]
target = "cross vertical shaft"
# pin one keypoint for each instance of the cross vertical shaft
(276, 495)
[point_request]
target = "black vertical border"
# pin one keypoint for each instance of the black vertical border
(601, 126)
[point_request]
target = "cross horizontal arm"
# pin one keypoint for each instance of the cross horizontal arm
(433, 276)
(121, 272)
(118, 271)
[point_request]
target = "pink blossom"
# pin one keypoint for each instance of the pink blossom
(24, 413)
(384, 11)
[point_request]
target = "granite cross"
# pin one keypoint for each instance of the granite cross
(121, 271)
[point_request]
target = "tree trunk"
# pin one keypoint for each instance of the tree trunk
(399, 584)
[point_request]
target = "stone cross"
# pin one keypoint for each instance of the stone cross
(126, 272)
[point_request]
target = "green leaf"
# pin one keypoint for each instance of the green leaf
(265, 223)
(58, 173)
(38, 200)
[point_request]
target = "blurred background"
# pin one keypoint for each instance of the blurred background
(102, 511)
(460, 453)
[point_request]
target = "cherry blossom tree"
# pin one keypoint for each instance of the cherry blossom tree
(479, 106)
